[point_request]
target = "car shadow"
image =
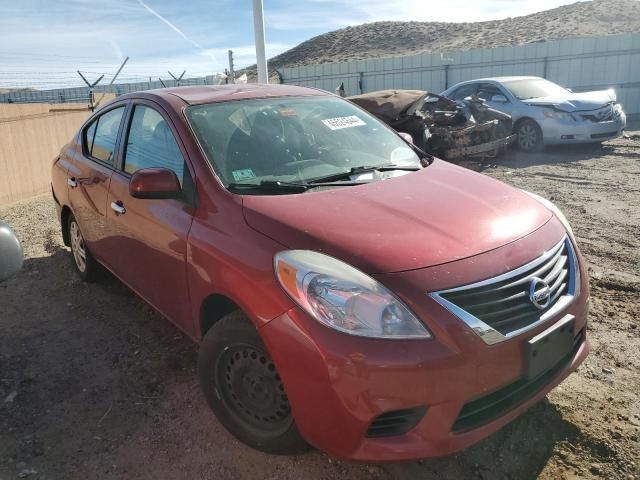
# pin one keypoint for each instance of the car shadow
(74, 353)
(520, 450)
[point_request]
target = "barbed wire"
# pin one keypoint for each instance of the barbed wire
(55, 76)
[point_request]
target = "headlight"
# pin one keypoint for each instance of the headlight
(342, 297)
(617, 108)
(555, 210)
(567, 117)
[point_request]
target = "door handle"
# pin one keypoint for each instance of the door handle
(118, 207)
(72, 182)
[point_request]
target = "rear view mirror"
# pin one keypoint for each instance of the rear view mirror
(11, 255)
(155, 183)
(499, 99)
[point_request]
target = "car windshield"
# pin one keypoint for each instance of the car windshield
(534, 88)
(294, 139)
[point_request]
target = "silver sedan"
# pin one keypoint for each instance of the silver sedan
(545, 113)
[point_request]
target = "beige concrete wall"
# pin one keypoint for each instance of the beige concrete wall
(31, 136)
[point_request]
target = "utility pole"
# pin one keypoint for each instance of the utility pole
(232, 74)
(177, 79)
(91, 86)
(258, 27)
(112, 80)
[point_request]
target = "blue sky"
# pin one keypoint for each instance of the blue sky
(45, 41)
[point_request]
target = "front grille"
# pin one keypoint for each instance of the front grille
(396, 422)
(503, 304)
(604, 114)
(487, 408)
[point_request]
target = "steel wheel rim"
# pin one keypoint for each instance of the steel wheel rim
(77, 247)
(527, 137)
(250, 387)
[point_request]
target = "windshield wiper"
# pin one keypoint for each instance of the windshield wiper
(363, 169)
(270, 185)
(281, 186)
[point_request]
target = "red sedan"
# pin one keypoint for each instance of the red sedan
(348, 291)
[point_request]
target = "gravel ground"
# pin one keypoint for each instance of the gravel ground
(94, 384)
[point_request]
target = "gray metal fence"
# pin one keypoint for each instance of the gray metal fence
(590, 63)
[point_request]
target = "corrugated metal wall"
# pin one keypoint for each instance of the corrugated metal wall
(579, 63)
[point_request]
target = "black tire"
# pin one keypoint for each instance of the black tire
(243, 388)
(529, 136)
(85, 265)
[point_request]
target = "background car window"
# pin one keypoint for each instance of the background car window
(104, 132)
(151, 143)
(488, 90)
(463, 92)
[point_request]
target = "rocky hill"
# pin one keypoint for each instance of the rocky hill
(383, 39)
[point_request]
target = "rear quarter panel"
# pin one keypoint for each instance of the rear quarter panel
(60, 171)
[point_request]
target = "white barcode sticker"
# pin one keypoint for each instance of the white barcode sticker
(343, 122)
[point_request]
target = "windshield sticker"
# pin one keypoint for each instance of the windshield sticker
(343, 122)
(243, 174)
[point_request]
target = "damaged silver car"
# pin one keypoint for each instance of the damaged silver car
(545, 113)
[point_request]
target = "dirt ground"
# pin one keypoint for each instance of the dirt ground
(94, 384)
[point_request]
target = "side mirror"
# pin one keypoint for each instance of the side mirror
(152, 183)
(499, 99)
(11, 256)
(406, 137)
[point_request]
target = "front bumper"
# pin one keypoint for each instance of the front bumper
(556, 132)
(338, 384)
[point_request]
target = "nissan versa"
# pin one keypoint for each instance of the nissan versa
(348, 291)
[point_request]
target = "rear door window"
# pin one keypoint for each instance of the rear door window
(150, 143)
(100, 137)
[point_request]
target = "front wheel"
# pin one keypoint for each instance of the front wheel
(529, 136)
(243, 388)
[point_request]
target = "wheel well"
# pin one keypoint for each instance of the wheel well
(523, 119)
(64, 222)
(213, 308)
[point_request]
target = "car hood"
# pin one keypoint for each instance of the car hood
(436, 215)
(575, 102)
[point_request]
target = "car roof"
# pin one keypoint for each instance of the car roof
(500, 79)
(203, 94)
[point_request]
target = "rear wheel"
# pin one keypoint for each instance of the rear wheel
(529, 136)
(85, 264)
(243, 387)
